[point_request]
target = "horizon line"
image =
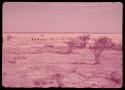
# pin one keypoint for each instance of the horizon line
(63, 32)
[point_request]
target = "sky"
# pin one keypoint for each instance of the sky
(94, 17)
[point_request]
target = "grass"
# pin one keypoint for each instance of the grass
(76, 68)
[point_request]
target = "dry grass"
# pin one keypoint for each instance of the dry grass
(45, 67)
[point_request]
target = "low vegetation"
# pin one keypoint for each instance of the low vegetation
(100, 44)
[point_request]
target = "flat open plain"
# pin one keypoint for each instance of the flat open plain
(32, 65)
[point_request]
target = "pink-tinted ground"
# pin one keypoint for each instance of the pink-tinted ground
(29, 66)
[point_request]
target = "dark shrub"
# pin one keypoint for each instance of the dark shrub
(99, 46)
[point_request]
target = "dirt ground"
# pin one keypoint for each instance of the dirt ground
(25, 66)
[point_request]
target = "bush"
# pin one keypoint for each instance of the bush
(83, 40)
(99, 46)
(80, 42)
(102, 43)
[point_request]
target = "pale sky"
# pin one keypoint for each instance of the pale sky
(62, 17)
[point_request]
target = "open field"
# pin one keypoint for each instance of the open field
(33, 65)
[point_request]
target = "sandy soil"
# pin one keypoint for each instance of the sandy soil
(30, 66)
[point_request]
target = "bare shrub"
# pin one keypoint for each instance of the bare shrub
(80, 42)
(83, 40)
(99, 46)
